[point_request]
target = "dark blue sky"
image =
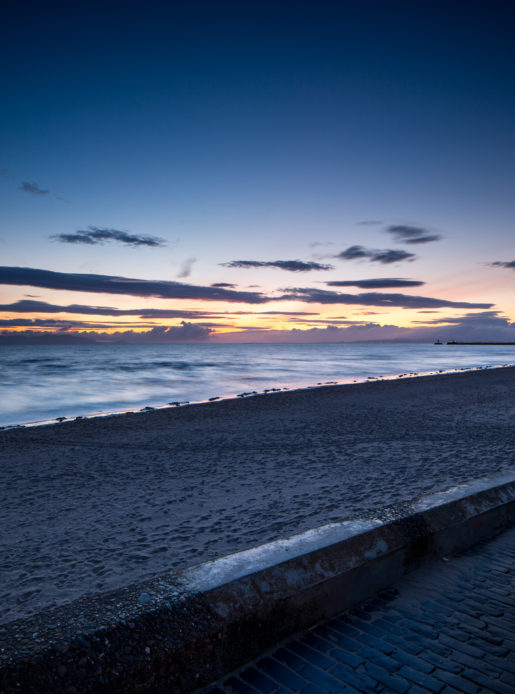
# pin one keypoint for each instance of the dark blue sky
(251, 130)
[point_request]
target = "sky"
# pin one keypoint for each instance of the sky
(257, 172)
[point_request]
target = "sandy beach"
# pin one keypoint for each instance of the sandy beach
(93, 505)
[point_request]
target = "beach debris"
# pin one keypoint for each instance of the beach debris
(78, 417)
(147, 409)
(60, 419)
(215, 398)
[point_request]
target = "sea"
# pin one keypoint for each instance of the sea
(45, 383)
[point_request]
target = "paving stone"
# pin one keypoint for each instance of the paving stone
(347, 658)
(258, 680)
(486, 682)
(466, 660)
(384, 661)
(391, 681)
(314, 641)
(309, 654)
(508, 678)
(499, 651)
(343, 627)
(387, 627)
(456, 645)
(376, 643)
(442, 663)
(456, 681)
(359, 680)
(292, 660)
(342, 641)
(281, 674)
(323, 679)
(421, 678)
(412, 661)
(418, 628)
(405, 643)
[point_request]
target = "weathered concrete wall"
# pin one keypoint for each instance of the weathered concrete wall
(177, 632)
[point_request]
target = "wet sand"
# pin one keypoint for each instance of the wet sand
(94, 505)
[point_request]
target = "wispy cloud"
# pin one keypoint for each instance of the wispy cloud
(290, 265)
(186, 267)
(317, 244)
(369, 222)
(410, 234)
(509, 264)
(385, 257)
(98, 235)
(32, 188)
(376, 283)
(107, 284)
(322, 296)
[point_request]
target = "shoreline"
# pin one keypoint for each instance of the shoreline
(103, 503)
(234, 396)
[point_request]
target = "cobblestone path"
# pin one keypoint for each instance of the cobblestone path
(448, 627)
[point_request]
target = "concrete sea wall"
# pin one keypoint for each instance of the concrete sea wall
(182, 630)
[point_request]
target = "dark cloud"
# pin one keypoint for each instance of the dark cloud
(369, 222)
(34, 322)
(36, 337)
(481, 319)
(376, 283)
(509, 264)
(186, 332)
(227, 285)
(322, 296)
(391, 256)
(25, 306)
(64, 324)
(284, 313)
(186, 266)
(385, 257)
(290, 265)
(409, 234)
(354, 253)
(95, 235)
(32, 188)
(106, 284)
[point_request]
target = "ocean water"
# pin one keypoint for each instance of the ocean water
(41, 383)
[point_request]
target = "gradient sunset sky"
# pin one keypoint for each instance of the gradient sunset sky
(258, 171)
